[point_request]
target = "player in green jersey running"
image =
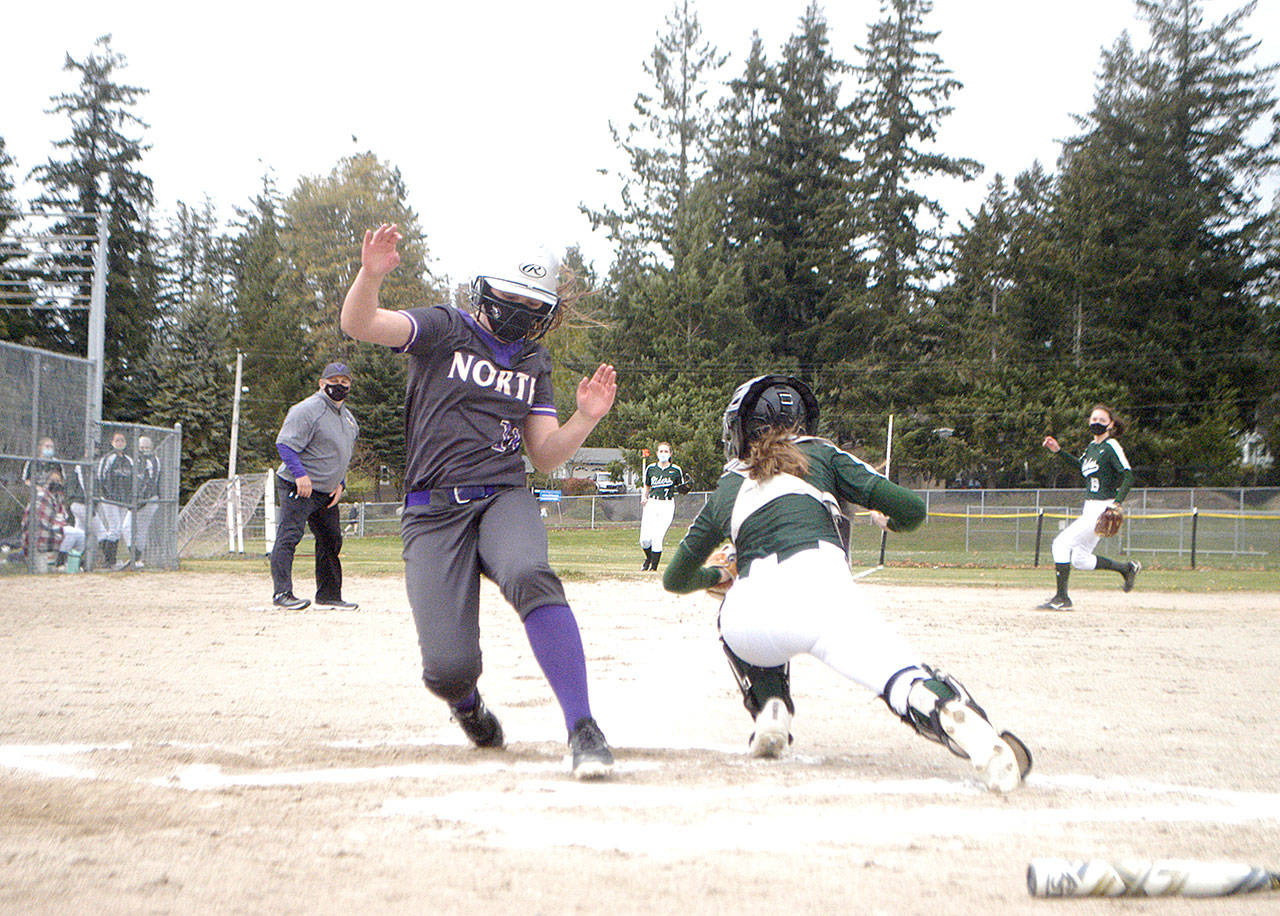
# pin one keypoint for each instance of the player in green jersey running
(777, 501)
(1107, 479)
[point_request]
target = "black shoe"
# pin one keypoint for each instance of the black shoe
(1131, 574)
(290, 602)
(338, 605)
(481, 726)
(1056, 603)
(592, 758)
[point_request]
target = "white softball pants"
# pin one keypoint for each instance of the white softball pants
(1074, 543)
(809, 603)
(113, 523)
(654, 522)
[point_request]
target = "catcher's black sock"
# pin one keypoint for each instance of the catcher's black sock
(1062, 572)
(1107, 563)
(648, 559)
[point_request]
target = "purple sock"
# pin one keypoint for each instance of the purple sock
(557, 645)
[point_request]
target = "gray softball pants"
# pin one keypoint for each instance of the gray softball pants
(446, 549)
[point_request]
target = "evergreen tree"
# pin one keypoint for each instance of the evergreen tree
(666, 145)
(902, 102)
(100, 169)
(780, 169)
(1159, 194)
(323, 221)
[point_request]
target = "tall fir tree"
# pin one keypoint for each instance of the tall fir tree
(99, 168)
(903, 98)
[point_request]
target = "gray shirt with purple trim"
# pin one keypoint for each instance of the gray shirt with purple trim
(466, 401)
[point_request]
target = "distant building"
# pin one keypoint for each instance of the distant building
(593, 464)
(1253, 451)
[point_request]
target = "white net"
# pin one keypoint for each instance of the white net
(223, 517)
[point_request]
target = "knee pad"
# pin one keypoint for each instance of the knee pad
(759, 685)
(452, 680)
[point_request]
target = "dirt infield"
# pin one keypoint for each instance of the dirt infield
(168, 745)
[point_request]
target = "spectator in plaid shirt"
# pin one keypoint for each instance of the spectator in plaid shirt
(53, 530)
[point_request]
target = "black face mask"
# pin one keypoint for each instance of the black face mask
(1097, 428)
(336, 392)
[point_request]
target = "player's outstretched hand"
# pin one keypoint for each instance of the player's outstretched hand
(596, 394)
(1051, 444)
(378, 254)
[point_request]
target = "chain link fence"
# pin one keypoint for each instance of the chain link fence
(1232, 527)
(59, 470)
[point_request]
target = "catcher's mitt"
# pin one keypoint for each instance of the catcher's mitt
(1109, 522)
(724, 558)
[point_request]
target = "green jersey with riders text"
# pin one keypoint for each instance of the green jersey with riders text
(1106, 470)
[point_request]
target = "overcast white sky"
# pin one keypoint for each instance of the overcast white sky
(497, 111)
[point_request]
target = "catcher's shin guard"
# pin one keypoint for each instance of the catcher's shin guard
(942, 710)
(759, 685)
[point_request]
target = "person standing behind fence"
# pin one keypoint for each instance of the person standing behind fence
(37, 469)
(315, 445)
(115, 501)
(658, 497)
(1107, 479)
(148, 495)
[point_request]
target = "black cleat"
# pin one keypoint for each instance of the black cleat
(1131, 574)
(290, 602)
(1056, 603)
(592, 758)
(480, 725)
(338, 605)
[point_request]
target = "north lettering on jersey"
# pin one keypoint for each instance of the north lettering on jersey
(469, 367)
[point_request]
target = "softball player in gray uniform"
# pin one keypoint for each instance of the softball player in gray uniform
(479, 387)
(778, 501)
(661, 482)
(1107, 480)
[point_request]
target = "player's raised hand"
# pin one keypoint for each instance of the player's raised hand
(1051, 444)
(378, 254)
(596, 394)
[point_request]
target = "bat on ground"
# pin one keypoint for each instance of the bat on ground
(1138, 878)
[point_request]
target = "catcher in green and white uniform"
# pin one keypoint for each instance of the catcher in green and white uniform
(661, 483)
(778, 501)
(1107, 479)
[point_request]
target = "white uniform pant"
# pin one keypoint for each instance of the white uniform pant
(654, 522)
(113, 523)
(809, 603)
(1074, 543)
(72, 539)
(142, 522)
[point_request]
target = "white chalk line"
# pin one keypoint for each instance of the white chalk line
(545, 807)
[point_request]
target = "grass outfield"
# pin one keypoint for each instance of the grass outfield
(581, 554)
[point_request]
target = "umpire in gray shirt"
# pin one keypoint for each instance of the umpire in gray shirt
(315, 446)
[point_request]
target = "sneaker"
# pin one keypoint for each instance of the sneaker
(1056, 603)
(481, 726)
(1131, 574)
(991, 755)
(592, 758)
(290, 602)
(773, 730)
(338, 605)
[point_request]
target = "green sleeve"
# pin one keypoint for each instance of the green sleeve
(905, 509)
(686, 574)
(1069, 459)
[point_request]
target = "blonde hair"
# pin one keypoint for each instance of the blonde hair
(773, 452)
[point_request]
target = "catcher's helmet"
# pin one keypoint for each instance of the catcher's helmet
(533, 278)
(763, 402)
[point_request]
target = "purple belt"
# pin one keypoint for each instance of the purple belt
(456, 495)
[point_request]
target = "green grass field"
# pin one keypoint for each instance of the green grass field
(582, 554)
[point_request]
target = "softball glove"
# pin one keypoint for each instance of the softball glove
(1109, 522)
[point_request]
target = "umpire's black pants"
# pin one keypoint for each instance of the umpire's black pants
(297, 512)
